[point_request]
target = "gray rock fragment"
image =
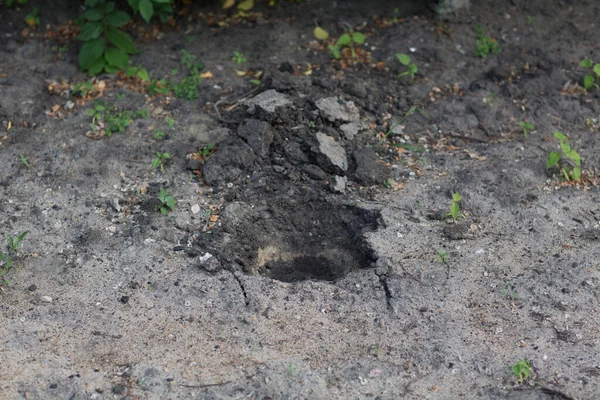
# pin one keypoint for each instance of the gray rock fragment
(350, 130)
(114, 203)
(268, 101)
(203, 135)
(46, 299)
(338, 184)
(208, 262)
(314, 172)
(258, 135)
(330, 156)
(334, 109)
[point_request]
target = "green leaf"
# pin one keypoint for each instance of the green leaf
(403, 58)
(586, 63)
(320, 33)
(96, 67)
(93, 14)
(117, 18)
(588, 81)
(135, 5)
(413, 68)
(90, 53)
(246, 5)
(91, 3)
(164, 1)
(162, 194)
(165, 156)
(358, 37)
(553, 159)
(566, 149)
(146, 10)
(576, 173)
(454, 210)
(597, 70)
(456, 197)
(109, 7)
(121, 40)
(22, 236)
(155, 163)
(343, 40)
(560, 136)
(91, 30)
(116, 57)
(143, 75)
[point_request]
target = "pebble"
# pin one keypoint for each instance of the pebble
(32, 288)
(195, 209)
(46, 299)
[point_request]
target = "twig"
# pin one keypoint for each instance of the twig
(472, 139)
(206, 385)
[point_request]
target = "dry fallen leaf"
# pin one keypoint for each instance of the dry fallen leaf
(228, 4)
(321, 33)
(240, 73)
(206, 75)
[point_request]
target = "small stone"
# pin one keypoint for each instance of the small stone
(229, 162)
(278, 168)
(208, 262)
(46, 299)
(338, 184)
(334, 109)
(267, 101)
(124, 299)
(69, 105)
(32, 288)
(350, 130)
(178, 248)
(195, 209)
(201, 133)
(330, 155)
(114, 203)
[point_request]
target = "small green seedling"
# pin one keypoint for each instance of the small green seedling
(442, 256)
(207, 150)
(24, 160)
(33, 18)
(112, 120)
(9, 258)
(238, 57)
(571, 168)
(159, 134)
(522, 370)
(527, 126)
(530, 20)
(510, 293)
(455, 208)
(170, 122)
(348, 39)
(591, 80)
(159, 161)
(83, 89)
(388, 183)
(290, 369)
(485, 44)
(167, 202)
(412, 68)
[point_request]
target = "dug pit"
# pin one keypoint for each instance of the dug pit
(297, 240)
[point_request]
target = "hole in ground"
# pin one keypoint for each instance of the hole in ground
(312, 241)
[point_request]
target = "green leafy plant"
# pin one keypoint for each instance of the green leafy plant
(83, 89)
(238, 57)
(412, 68)
(388, 183)
(410, 112)
(527, 126)
(591, 80)
(111, 119)
(33, 18)
(442, 256)
(10, 257)
(485, 44)
(571, 167)
(521, 370)
(170, 122)
(11, 3)
(106, 47)
(186, 87)
(159, 161)
(159, 134)
(24, 160)
(290, 369)
(167, 202)
(454, 207)
(349, 40)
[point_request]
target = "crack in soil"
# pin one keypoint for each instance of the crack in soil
(239, 281)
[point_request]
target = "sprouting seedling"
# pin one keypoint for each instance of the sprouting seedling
(527, 126)
(388, 183)
(569, 171)
(485, 44)
(24, 160)
(412, 67)
(207, 150)
(348, 39)
(522, 370)
(167, 202)
(170, 122)
(454, 207)
(290, 369)
(238, 57)
(442, 256)
(10, 257)
(159, 160)
(591, 80)
(410, 112)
